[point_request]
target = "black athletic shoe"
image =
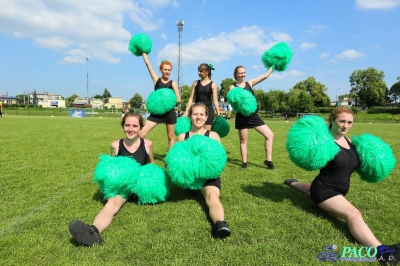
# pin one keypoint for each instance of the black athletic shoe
(269, 165)
(244, 165)
(85, 234)
(220, 230)
(290, 181)
(388, 255)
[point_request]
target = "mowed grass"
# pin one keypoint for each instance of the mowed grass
(46, 181)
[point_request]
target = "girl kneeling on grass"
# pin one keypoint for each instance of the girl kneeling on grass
(329, 188)
(198, 114)
(131, 146)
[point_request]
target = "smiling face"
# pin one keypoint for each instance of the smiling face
(166, 71)
(342, 124)
(131, 127)
(240, 73)
(198, 116)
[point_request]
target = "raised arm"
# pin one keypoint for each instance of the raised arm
(215, 97)
(176, 90)
(149, 148)
(257, 80)
(191, 97)
(114, 147)
(153, 74)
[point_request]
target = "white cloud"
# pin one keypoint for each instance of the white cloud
(377, 4)
(292, 73)
(246, 40)
(307, 45)
(163, 36)
(349, 54)
(88, 26)
(281, 37)
(324, 55)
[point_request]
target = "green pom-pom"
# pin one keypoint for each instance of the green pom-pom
(221, 126)
(152, 184)
(139, 44)
(310, 144)
(195, 160)
(242, 101)
(161, 101)
(114, 174)
(183, 124)
(278, 56)
(376, 157)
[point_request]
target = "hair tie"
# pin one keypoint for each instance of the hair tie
(211, 66)
(163, 61)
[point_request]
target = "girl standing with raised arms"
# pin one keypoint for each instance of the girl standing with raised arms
(169, 118)
(243, 123)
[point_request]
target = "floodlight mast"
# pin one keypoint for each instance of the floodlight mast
(180, 24)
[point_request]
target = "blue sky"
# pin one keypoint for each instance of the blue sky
(45, 42)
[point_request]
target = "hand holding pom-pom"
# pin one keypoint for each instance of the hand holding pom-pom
(161, 101)
(310, 144)
(278, 56)
(139, 44)
(376, 158)
(242, 101)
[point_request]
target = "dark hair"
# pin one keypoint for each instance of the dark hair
(132, 114)
(199, 104)
(338, 110)
(165, 62)
(235, 71)
(206, 67)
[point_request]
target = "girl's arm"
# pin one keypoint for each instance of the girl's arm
(153, 74)
(149, 148)
(215, 97)
(214, 135)
(114, 147)
(176, 90)
(257, 80)
(190, 101)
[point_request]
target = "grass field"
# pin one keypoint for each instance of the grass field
(46, 181)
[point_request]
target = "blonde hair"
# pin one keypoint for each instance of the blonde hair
(199, 104)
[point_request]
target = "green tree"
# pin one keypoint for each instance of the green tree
(277, 100)
(98, 96)
(185, 96)
(369, 86)
(136, 101)
(225, 88)
(395, 91)
(106, 94)
(316, 90)
(23, 98)
(299, 101)
(35, 98)
(69, 100)
(261, 97)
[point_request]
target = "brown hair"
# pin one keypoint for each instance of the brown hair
(338, 110)
(235, 71)
(165, 62)
(199, 104)
(132, 114)
(205, 67)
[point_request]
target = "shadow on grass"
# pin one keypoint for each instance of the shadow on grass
(279, 192)
(239, 163)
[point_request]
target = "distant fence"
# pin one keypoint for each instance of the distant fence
(58, 113)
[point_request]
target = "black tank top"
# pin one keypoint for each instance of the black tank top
(203, 93)
(337, 172)
(140, 155)
(247, 87)
(207, 134)
(160, 85)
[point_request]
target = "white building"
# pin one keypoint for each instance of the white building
(48, 100)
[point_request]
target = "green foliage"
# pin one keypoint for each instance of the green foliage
(300, 101)
(316, 90)
(395, 90)
(225, 84)
(378, 110)
(106, 94)
(369, 86)
(136, 101)
(185, 96)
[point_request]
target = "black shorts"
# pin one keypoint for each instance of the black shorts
(213, 182)
(319, 192)
(168, 118)
(251, 121)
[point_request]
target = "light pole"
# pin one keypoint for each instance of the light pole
(179, 24)
(336, 95)
(87, 79)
